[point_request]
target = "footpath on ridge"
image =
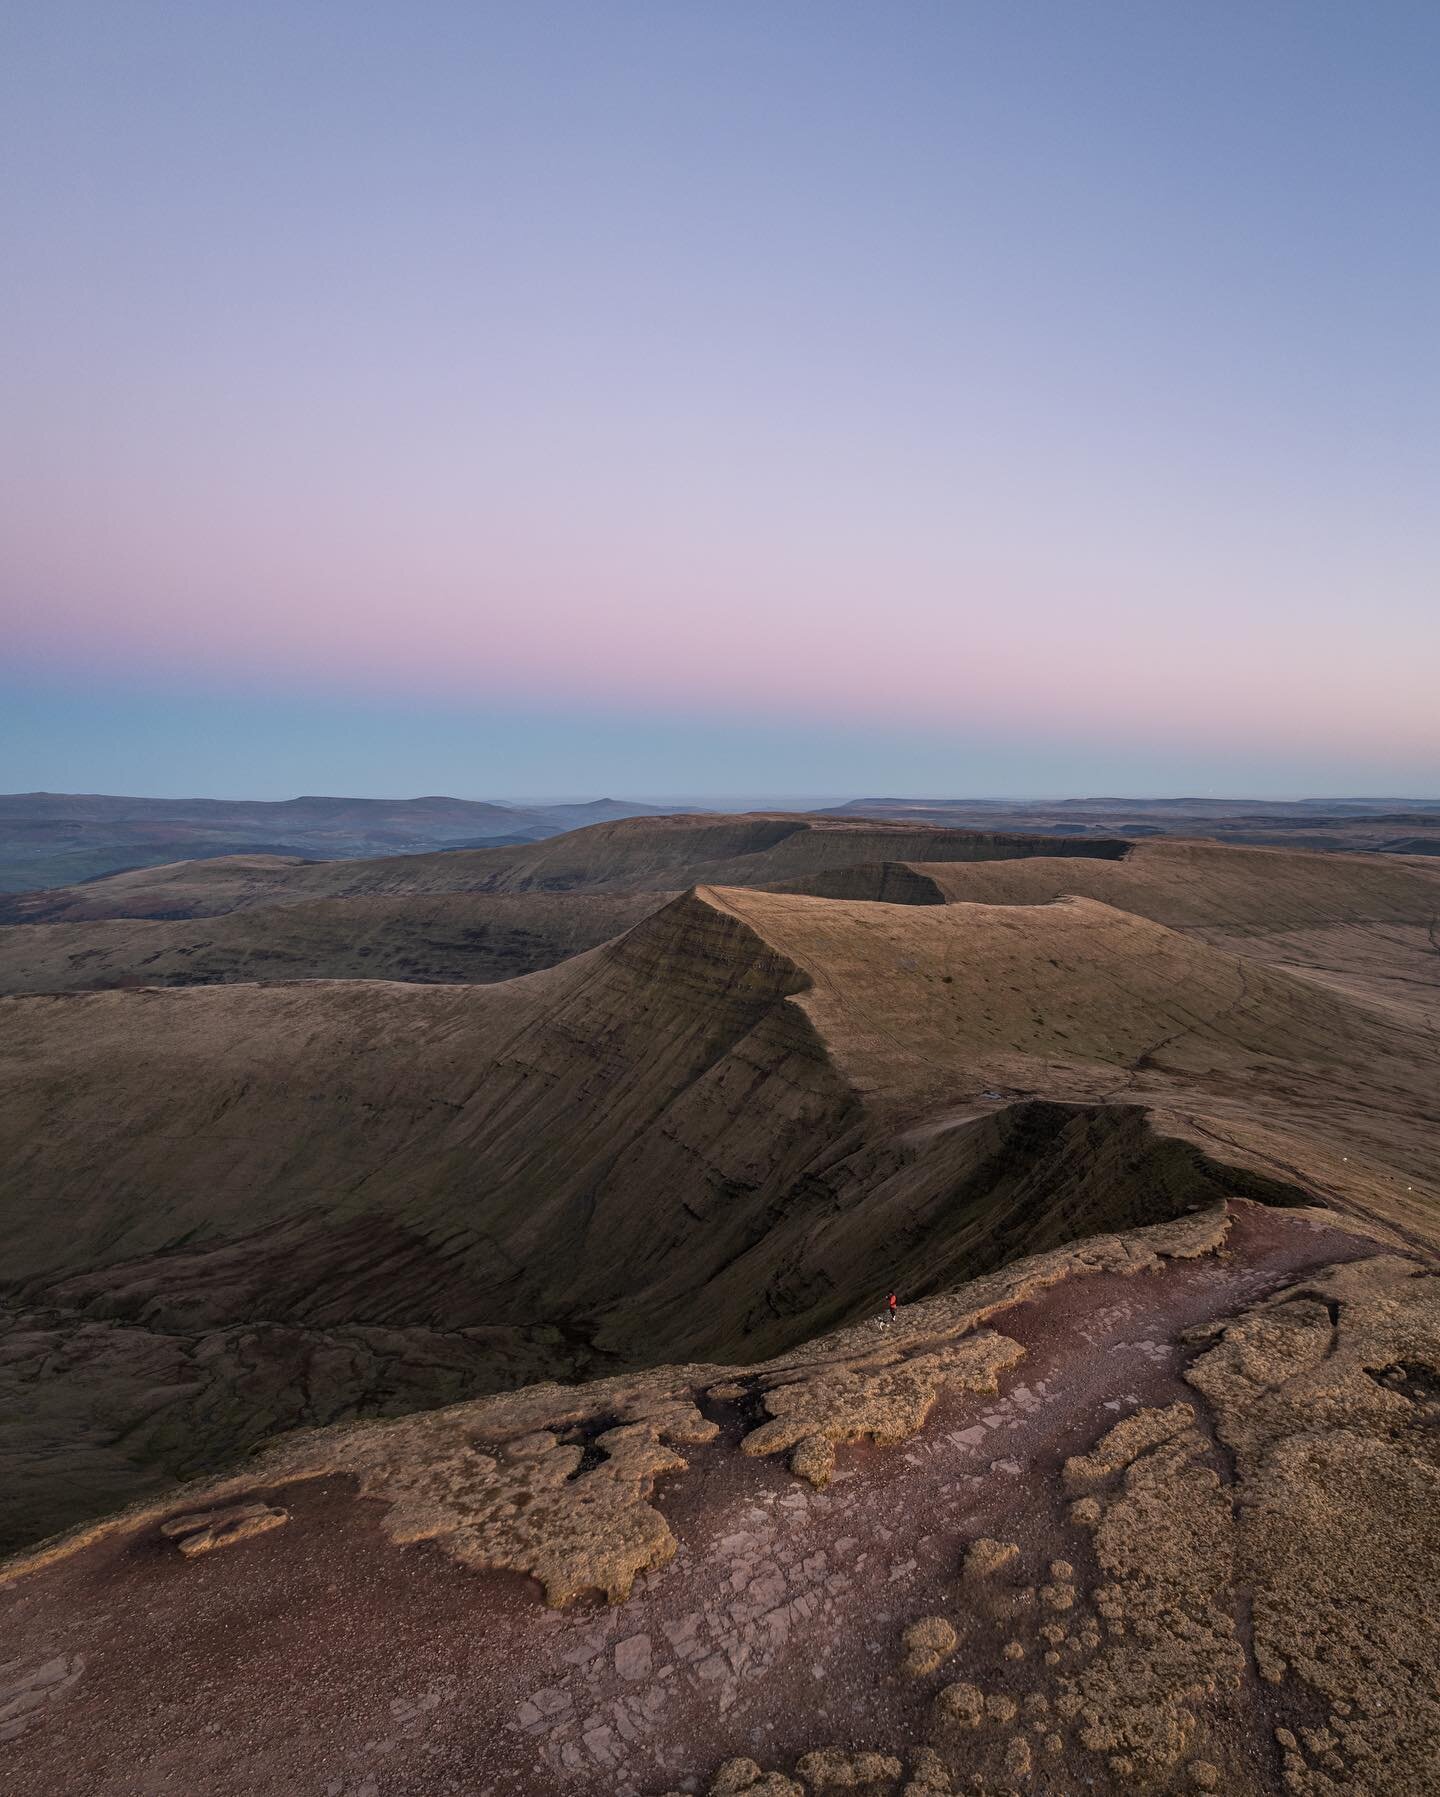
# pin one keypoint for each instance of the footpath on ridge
(1181, 1544)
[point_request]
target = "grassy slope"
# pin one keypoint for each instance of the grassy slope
(1367, 926)
(633, 855)
(475, 938)
(594, 1116)
(711, 1137)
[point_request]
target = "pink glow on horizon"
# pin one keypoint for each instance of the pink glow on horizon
(656, 592)
(1092, 668)
(937, 374)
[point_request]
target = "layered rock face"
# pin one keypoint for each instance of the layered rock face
(235, 1209)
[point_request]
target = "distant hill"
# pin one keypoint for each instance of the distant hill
(52, 840)
(653, 853)
(445, 939)
(1384, 826)
(58, 839)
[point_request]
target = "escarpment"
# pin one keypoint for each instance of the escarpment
(882, 882)
(514, 1349)
(711, 1137)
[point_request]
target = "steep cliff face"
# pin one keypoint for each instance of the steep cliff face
(921, 1212)
(139, 1119)
(258, 1207)
(881, 882)
(710, 1137)
(729, 1044)
(1208, 886)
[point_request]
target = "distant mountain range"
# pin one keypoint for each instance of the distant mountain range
(1378, 825)
(58, 839)
(52, 839)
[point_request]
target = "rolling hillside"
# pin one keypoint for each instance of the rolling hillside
(1364, 925)
(55, 838)
(722, 1045)
(711, 1136)
(659, 854)
(451, 938)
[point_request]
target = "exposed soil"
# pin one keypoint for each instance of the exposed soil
(320, 1658)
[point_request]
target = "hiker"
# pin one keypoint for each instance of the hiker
(890, 1304)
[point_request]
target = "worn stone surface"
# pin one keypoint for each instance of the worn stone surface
(1329, 1397)
(836, 1769)
(885, 1402)
(527, 1510)
(1165, 1545)
(743, 1775)
(928, 1774)
(204, 1530)
(1125, 1442)
(961, 1705)
(1109, 1647)
(26, 1691)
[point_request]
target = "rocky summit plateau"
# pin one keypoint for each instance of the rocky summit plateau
(443, 1330)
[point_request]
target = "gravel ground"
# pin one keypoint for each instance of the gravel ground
(320, 1661)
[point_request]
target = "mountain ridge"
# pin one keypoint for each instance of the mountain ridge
(635, 854)
(48, 839)
(704, 1138)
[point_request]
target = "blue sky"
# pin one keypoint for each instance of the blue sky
(995, 397)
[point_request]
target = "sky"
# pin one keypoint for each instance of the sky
(997, 397)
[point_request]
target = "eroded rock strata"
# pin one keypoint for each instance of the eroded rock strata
(1157, 1514)
(236, 1210)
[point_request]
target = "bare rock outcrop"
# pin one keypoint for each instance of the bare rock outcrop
(813, 1412)
(1329, 1396)
(505, 1482)
(1240, 1588)
(202, 1531)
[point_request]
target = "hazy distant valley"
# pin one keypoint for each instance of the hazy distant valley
(53, 839)
(59, 839)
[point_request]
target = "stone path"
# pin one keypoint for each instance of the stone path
(319, 1659)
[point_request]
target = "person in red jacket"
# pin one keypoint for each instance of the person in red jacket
(890, 1304)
